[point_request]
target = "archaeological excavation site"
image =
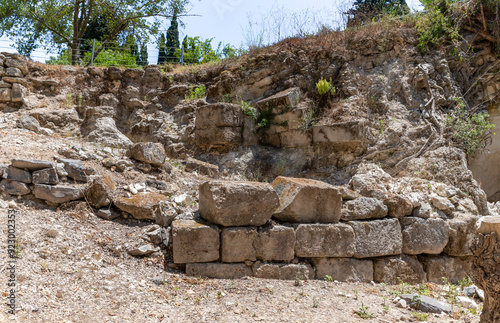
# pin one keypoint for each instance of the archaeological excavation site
(330, 178)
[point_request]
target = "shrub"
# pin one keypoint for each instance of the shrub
(469, 131)
(196, 93)
(325, 86)
(435, 28)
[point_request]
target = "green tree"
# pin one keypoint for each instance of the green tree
(62, 24)
(363, 11)
(144, 56)
(173, 40)
(162, 53)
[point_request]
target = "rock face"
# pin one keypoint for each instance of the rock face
(377, 238)
(363, 208)
(325, 240)
(390, 269)
(142, 206)
(148, 152)
(307, 201)
(194, 242)
(218, 124)
(428, 236)
(344, 269)
(57, 194)
(100, 192)
(237, 203)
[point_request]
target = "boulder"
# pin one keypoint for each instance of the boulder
(229, 203)
(17, 174)
(218, 270)
(28, 122)
(14, 188)
(306, 201)
(202, 168)
(17, 63)
(344, 269)
(363, 208)
(100, 191)
(14, 72)
(398, 206)
(218, 115)
(428, 236)
(454, 269)
(74, 168)
(377, 238)
(237, 244)
(18, 92)
(275, 243)
(57, 194)
(45, 176)
(142, 206)
(324, 240)
(443, 204)
(397, 269)
(31, 164)
(148, 152)
(5, 94)
(461, 236)
(283, 271)
(104, 131)
(194, 242)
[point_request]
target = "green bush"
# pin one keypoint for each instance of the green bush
(196, 93)
(435, 28)
(469, 131)
(325, 86)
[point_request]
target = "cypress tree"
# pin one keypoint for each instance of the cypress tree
(363, 11)
(172, 40)
(161, 52)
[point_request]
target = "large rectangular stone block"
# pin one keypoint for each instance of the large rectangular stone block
(325, 240)
(16, 174)
(237, 244)
(283, 271)
(216, 137)
(344, 269)
(428, 236)
(218, 115)
(275, 243)
(307, 201)
(218, 270)
(233, 203)
(453, 269)
(295, 138)
(391, 270)
(57, 193)
(377, 238)
(194, 242)
(461, 237)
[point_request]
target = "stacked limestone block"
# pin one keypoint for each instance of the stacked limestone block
(41, 178)
(13, 85)
(302, 228)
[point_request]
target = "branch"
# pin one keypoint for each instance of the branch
(481, 33)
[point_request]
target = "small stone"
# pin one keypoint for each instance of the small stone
(142, 250)
(107, 214)
(45, 176)
(401, 303)
(156, 236)
(443, 204)
(202, 168)
(74, 168)
(426, 304)
(14, 188)
(100, 191)
(46, 131)
(31, 164)
(467, 302)
(16, 174)
(142, 205)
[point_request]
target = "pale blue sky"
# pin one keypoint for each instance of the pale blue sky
(228, 20)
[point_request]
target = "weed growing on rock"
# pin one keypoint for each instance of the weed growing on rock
(309, 119)
(325, 87)
(196, 93)
(468, 130)
(363, 312)
(420, 316)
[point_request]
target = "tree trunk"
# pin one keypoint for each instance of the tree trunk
(486, 274)
(75, 46)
